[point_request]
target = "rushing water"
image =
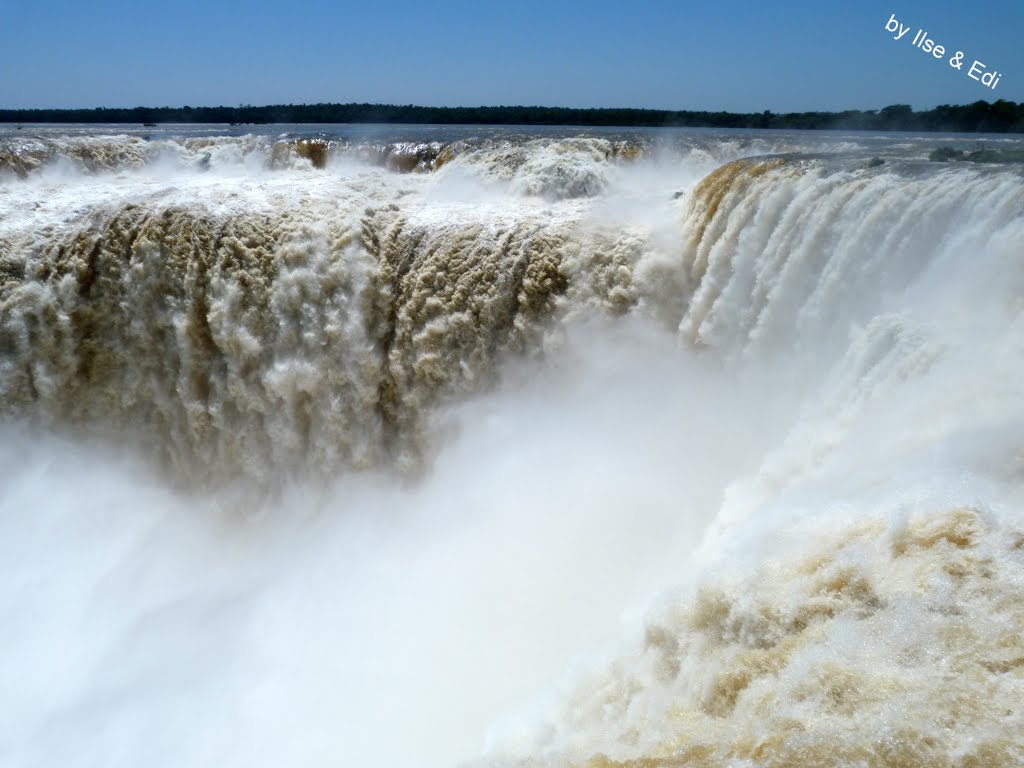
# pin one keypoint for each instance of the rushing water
(419, 446)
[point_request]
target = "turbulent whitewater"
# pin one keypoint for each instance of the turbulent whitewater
(428, 446)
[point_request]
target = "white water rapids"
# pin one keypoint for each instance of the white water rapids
(526, 450)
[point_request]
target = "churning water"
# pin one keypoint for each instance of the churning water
(413, 447)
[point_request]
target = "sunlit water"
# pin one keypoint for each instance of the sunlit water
(418, 446)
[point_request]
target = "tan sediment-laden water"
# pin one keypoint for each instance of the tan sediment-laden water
(414, 446)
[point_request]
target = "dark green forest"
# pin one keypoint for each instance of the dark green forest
(979, 117)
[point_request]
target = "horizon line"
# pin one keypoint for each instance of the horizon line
(395, 105)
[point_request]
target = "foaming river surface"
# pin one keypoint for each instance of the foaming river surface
(427, 446)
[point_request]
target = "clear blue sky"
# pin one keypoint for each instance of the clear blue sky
(686, 54)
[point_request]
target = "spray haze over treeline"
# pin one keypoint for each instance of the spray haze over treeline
(980, 117)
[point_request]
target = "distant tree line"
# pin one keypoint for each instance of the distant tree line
(999, 117)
